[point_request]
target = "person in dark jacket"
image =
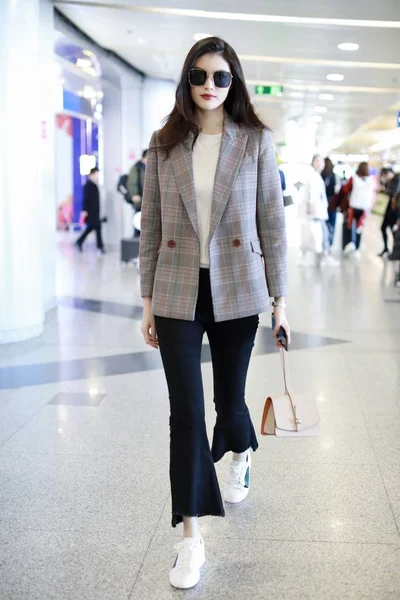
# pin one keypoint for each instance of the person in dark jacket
(392, 189)
(136, 180)
(330, 181)
(91, 210)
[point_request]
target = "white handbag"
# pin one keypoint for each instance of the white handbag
(290, 415)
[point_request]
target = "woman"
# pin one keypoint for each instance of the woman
(356, 198)
(212, 208)
(331, 189)
(316, 206)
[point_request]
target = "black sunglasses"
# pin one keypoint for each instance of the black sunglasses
(222, 79)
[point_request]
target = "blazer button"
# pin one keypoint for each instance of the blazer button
(236, 243)
(171, 244)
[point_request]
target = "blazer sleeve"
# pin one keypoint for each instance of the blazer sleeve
(150, 226)
(271, 219)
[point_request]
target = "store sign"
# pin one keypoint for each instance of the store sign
(269, 90)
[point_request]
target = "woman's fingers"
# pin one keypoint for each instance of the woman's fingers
(150, 334)
(285, 325)
(153, 335)
(146, 333)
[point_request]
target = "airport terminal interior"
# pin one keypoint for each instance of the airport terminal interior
(85, 499)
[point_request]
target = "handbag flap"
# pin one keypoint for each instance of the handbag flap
(306, 412)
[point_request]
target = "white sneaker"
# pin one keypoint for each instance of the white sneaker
(329, 261)
(351, 247)
(185, 573)
(238, 484)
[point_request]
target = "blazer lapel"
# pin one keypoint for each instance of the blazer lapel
(233, 146)
(182, 164)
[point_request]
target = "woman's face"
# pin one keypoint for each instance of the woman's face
(319, 164)
(208, 96)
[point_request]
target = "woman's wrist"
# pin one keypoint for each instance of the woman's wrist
(279, 302)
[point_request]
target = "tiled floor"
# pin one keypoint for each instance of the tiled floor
(84, 491)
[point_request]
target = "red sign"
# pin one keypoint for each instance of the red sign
(64, 122)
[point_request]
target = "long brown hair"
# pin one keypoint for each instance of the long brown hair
(328, 168)
(363, 170)
(181, 122)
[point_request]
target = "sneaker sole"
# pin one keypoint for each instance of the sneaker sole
(237, 501)
(187, 587)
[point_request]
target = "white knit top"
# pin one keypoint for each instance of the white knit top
(205, 160)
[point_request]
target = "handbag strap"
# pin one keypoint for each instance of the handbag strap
(285, 369)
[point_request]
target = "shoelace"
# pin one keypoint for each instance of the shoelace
(237, 475)
(185, 555)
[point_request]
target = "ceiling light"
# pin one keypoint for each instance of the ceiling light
(88, 92)
(316, 119)
(208, 14)
(201, 36)
(326, 96)
(320, 109)
(83, 63)
(296, 95)
(348, 46)
(335, 77)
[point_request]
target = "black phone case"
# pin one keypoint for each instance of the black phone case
(282, 337)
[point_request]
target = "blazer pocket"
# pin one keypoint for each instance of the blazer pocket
(256, 247)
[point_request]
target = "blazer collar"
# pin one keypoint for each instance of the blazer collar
(233, 146)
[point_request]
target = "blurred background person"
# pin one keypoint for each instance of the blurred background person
(281, 175)
(390, 184)
(332, 186)
(315, 233)
(356, 198)
(135, 183)
(91, 210)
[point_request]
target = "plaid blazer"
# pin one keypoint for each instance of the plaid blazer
(247, 243)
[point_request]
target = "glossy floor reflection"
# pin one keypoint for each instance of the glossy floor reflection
(84, 491)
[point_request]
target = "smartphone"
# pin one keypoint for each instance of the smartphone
(282, 337)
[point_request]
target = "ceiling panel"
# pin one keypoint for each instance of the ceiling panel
(357, 9)
(298, 56)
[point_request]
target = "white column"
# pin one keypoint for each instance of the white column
(158, 101)
(121, 131)
(21, 220)
(131, 116)
(111, 142)
(48, 100)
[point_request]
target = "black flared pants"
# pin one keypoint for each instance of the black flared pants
(194, 485)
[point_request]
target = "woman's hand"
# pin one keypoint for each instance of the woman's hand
(148, 325)
(280, 321)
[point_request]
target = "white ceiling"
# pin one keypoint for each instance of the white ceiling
(296, 55)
